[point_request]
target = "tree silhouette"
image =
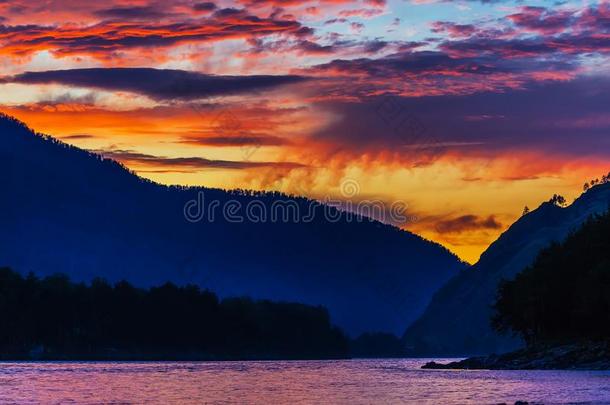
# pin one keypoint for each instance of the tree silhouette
(558, 200)
(604, 180)
(63, 320)
(565, 294)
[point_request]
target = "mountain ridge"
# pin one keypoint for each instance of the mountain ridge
(75, 212)
(456, 322)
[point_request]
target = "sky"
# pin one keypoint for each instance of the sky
(462, 111)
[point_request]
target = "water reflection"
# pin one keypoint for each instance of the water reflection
(294, 382)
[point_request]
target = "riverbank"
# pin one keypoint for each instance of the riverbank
(580, 356)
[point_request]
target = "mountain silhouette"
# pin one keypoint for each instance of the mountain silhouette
(457, 321)
(66, 210)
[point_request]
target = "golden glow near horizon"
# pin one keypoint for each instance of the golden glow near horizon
(441, 197)
(407, 99)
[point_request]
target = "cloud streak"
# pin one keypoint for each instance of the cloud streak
(467, 223)
(160, 84)
(194, 163)
(103, 38)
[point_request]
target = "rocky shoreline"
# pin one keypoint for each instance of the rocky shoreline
(580, 356)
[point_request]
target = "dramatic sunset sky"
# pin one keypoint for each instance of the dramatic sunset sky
(465, 110)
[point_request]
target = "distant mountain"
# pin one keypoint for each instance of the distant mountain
(457, 321)
(70, 211)
(560, 306)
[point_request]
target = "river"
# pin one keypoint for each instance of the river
(290, 382)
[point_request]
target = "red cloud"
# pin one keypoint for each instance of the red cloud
(104, 38)
(454, 30)
(542, 20)
(361, 12)
(289, 3)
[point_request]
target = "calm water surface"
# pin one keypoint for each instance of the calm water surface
(294, 382)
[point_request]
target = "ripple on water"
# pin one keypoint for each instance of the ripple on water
(294, 382)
